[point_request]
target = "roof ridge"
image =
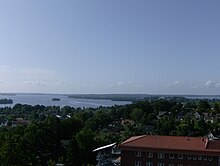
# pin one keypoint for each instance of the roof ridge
(206, 143)
(128, 141)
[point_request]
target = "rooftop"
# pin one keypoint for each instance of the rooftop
(172, 143)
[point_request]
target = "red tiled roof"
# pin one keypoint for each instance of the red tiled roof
(173, 143)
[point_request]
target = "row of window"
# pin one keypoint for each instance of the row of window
(172, 156)
(139, 163)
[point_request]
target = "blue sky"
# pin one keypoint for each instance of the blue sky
(110, 46)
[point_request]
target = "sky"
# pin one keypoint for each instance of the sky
(110, 46)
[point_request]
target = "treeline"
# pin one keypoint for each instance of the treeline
(113, 97)
(6, 101)
(68, 135)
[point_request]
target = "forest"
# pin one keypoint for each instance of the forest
(68, 135)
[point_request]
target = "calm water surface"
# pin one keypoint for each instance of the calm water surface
(64, 101)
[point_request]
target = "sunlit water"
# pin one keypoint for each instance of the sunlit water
(46, 100)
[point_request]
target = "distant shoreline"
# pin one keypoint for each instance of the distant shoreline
(117, 97)
(8, 94)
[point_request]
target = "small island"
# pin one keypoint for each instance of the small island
(55, 99)
(6, 101)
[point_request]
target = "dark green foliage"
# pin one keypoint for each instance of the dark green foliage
(6, 101)
(73, 156)
(70, 127)
(216, 107)
(162, 105)
(203, 106)
(86, 143)
(166, 126)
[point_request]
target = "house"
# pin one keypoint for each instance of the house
(148, 150)
(208, 117)
(4, 123)
(108, 155)
(21, 121)
(197, 115)
(181, 116)
(162, 114)
(125, 122)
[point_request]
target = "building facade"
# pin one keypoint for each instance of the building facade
(170, 151)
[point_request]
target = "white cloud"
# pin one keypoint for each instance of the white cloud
(33, 80)
(196, 86)
(117, 84)
(60, 83)
(212, 84)
(129, 85)
(35, 83)
(174, 84)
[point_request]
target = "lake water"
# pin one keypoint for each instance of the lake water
(46, 100)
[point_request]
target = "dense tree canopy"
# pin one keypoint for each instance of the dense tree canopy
(68, 135)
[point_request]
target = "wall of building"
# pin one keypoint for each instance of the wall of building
(128, 158)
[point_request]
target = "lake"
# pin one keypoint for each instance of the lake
(46, 100)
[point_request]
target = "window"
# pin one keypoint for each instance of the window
(189, 157)
(194, 157)
(149, 154)
(180, 156)
(204, 157)
(138, 154)
(149, 163)
(137, 163)
(171, 156)
(161, 155)
(199, 157)
(160, 164)
(210, 158)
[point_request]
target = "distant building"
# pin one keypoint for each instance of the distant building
(197, 115)
(21, 121)
(163, 114)
(155, 150)
(125, 122)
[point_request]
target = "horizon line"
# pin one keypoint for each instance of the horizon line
(148, 94)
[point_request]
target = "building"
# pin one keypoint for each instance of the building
(148, 150)
(108, 155)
